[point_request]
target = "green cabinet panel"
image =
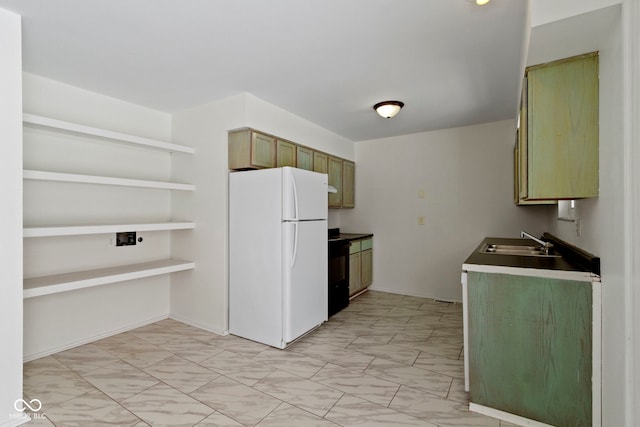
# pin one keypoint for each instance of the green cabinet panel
(285, 153)
(320, 162)
(530, 346)
(304, 158)
(348, 184)
(558, 140)
(249, 149)
(335, 179)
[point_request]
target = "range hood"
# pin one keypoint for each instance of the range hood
(332, 189)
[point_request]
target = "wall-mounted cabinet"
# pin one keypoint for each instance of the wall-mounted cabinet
(252, 149)
(335, 180)
(304, 158)
(285, 153)
(58, 204)
(557, 151)
(249, 149)
(348, 184)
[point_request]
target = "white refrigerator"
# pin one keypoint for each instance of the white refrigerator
(278, 286)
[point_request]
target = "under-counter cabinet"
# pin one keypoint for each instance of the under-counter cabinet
(61, 204)
(249, 149)
(532, 335)
(557, 147)
(360, 265)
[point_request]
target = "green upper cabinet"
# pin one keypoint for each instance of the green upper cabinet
(304, 158)
(557, 147)
(348, 184)
(335, 179)
(320, 162)
(249, 149)
(285, 153)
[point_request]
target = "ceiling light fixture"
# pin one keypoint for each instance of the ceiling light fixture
(482, 2)
(388, 109)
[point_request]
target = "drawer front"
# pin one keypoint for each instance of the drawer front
(355, 247)
(367, 244)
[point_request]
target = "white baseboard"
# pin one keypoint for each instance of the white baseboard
(15, 420)
(199, 325)
(87, 340)
(506, 416)
(411, 294)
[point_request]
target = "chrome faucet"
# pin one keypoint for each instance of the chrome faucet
(545, 246)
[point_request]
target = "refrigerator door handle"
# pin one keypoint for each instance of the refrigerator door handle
(295, 197)
(295, 244)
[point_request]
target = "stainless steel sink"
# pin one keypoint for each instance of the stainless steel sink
(516, 250)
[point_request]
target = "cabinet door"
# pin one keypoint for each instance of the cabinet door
(304, 158)
(530, 347)
(562, 141)
(263, 150)
(366, 266)
(285, 154)
(320, 162)
(355, 279)
(335, 179)
(348, 184)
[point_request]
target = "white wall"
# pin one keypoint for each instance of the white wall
(55, 322)
(545, 11)
(10, 217)
(200, 297)
(466, 174)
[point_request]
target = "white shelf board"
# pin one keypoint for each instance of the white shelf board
(104, 180)
(33, 119)
(46, 285)
(74, 230)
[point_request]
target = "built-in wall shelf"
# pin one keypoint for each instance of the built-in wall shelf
(32, 119)
(47, 285)
(104, 180)
(75, 230)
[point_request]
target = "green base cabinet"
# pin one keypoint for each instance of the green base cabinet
(531, 347)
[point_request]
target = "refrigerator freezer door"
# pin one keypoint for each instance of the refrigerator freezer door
(305, 281)
(304, 195)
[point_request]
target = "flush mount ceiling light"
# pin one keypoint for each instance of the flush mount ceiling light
(482, 2)
(388, 109)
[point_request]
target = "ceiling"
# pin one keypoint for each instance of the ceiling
(451, 62)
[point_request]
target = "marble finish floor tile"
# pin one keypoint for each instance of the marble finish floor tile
(218, 420)
(406, 356)
(339, 356)
(287, 415)
(387, 360)
(120, 380)
(242, 369)
(290, 361)
(352, 411)
(91, 409)
(237, 401)
(365, 386)
(411, 376)
(308, 395)
(181, 373)
(439, 411)
(85, 358)
(51, 382)
(162, 405)
(431, 362)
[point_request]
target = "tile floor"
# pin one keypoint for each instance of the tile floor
(386, 360)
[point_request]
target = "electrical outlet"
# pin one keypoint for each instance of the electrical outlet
(420, 220)
(420, 194)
